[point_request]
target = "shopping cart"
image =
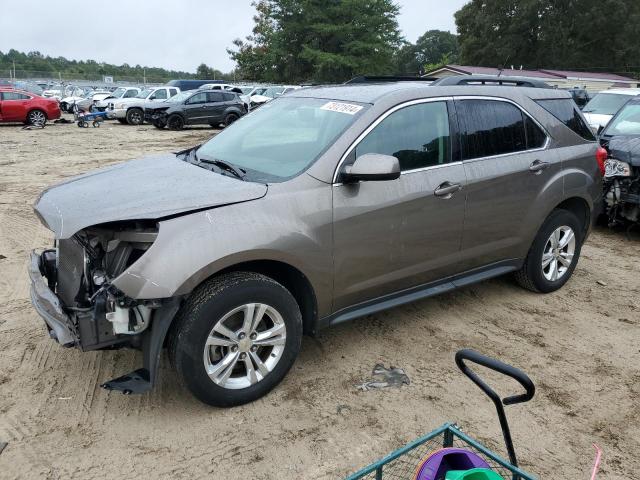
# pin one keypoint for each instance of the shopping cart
(408, 462)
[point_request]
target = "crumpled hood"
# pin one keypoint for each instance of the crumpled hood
(146, 189)
(626, 149)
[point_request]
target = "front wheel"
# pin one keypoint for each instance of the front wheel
(175, 122)
(235, 338)
(135, 116)
(553, 255)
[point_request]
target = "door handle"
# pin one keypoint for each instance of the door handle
(538, 166)
(447, 189)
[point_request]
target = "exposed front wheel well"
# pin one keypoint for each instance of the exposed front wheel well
(290, 278)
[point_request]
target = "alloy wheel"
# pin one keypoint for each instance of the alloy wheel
(558, 253)
(244, 346)
(37, 118)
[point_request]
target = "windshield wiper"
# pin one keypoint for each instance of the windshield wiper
(224, 166)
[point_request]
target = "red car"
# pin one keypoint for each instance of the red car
(26, 107)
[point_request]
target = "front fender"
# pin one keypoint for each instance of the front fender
(191, 248)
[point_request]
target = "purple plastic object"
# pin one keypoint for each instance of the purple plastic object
(436, 465)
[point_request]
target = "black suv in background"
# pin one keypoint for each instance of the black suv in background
(196, 108)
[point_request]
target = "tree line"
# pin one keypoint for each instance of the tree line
(330, 41)
(36, 64)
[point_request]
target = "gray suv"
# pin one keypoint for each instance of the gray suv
(324, 205)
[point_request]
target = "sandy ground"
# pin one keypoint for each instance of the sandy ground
(580, 346)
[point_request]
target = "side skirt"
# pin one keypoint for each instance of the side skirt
(417, 293)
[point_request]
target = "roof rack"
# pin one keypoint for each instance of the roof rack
(387, 78)
(490, 80)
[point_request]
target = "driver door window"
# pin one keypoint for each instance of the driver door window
(159, 95)
(197, 99)
(417, 135)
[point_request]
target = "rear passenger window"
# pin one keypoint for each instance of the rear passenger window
(565, 110)
(418, 136)
(490, 127)
(14, 96)
(215, 97)
(228, 97)
(160, 94)
(536, 138)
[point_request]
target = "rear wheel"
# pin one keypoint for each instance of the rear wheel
(36, 117)
(553, 255)
(230, 118)
(135, 116)
(175, 122)
(235, 338)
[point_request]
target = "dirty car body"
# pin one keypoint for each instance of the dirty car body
(137, 244)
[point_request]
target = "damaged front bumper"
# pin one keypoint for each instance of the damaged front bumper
(48, 305)
(88, 329)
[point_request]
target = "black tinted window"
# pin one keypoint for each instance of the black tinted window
(565, 110)
(536, 138)
(228, 97)
(490, 127)
(418, 136)
(14, 96)
(215, 97)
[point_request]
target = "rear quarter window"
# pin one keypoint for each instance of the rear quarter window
(565, 110)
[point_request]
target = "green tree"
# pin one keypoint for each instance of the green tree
(434, 47)
(578, 34)
(319, 40)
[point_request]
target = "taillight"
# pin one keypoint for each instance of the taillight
(601, 157)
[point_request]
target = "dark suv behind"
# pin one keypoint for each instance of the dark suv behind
(196, 108)
(324, 205)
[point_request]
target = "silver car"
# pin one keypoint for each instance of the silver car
(324, 205)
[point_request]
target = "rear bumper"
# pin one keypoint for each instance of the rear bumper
(48, 306)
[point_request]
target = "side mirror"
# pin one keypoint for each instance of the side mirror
(372, 167)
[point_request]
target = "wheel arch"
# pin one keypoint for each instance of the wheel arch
(38, 109)
(290, 277)
(580, 208)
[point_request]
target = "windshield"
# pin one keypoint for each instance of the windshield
(246, 90)
(606, 103)
(272, 92)
(626, 123)
(145, 93)
(282, 138)
(118, 92)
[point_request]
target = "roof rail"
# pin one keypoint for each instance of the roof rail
(387, 78)
(490, 80)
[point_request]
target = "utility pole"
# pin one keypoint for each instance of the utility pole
(144, 76)
(14, 70)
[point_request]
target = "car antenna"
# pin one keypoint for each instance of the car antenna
(503, 65)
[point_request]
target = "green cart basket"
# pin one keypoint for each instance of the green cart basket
(404, 463)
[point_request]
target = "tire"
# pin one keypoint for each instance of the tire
(534, 274)
(230, 118)
(175, 122)
(36, 117)
(64, 106)
(159, 125)
(223, 300)
(123, 121)
(135, 116)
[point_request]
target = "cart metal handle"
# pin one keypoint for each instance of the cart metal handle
(508, 370)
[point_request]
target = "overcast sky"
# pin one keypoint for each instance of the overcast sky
(178, 34)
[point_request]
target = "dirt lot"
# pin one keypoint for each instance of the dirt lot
(580, 345)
